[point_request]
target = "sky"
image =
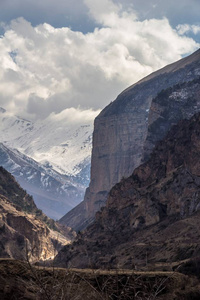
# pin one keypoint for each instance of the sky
(62, 56)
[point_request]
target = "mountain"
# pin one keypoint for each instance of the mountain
(24, 229)
(152, 218)
(53, 192)
(49, 158)
(126, 131)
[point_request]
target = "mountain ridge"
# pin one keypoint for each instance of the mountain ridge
(121, 131)
(170, 68)
(155, 210)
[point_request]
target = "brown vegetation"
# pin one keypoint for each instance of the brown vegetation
(19, 280)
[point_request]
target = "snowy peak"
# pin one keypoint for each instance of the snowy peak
(52, 141)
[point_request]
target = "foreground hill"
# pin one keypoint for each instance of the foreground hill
(151, 218)
(19, 280)
(126, 131)
(24, 229)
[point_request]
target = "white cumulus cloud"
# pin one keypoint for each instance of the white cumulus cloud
(47, 70)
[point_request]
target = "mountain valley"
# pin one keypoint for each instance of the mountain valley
(138, 226)
(52, 191)
(151, 219)
(126, 131)
(49, 159)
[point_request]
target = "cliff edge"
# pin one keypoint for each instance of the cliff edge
(126, 131)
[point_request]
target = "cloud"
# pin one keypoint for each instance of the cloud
(58, 13)
(187, 12)
(73, 116)
(185, 28)
(99, 10)
(46, 70)
(62, 13)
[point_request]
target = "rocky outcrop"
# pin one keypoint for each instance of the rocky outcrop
(179, 102)
(124, 132)
(152, 217)
(25, 230)
(23, 235)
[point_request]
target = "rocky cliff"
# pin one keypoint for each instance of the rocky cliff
(152, 217)
(126, 130)
(25, 230)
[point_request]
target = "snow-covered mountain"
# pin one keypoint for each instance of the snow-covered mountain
(49, 158)
(51, 141)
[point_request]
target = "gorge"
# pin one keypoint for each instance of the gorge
(126, 131)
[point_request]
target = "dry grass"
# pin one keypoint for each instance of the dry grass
(18, 280)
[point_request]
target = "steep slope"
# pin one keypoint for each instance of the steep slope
(124, 132)
(53, 192)
(178, 102)
(152, 217)
(23, 227)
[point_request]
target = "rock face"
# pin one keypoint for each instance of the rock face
(179, 102)
(152, 217)
(126, 130)
(23, 228)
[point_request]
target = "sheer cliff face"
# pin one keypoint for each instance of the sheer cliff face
(153, 212)
(126, 131)
(115, 151)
